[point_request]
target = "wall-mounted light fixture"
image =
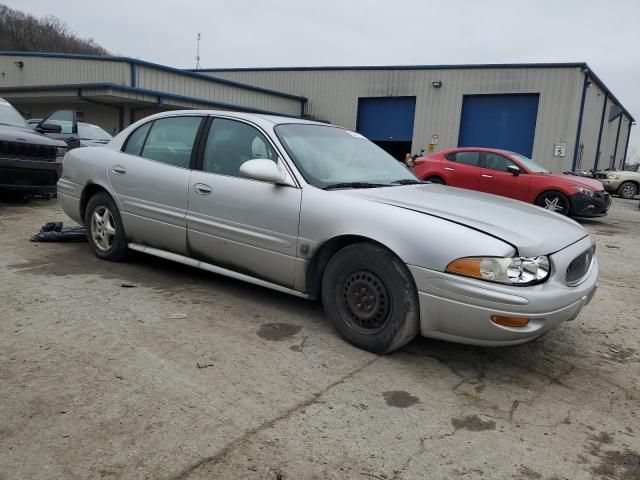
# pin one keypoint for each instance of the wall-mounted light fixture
(19, 64)
(436, 84)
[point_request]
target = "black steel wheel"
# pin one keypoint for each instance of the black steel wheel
(370, 298)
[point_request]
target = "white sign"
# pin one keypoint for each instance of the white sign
(559, 149)
(434, 139)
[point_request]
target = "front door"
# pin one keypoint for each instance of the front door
(498, 180)
(462, 169)
(151, 180)
(244, 225)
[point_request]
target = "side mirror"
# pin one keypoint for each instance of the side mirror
(514, 170)
(49, 128)
(263, 170)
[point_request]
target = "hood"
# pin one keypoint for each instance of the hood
(590, 183)
(532, 230)
(9, 133)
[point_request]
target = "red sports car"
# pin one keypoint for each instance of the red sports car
(515, 176)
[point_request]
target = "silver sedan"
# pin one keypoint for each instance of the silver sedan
(319, 211)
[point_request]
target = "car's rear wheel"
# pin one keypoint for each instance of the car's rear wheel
(554, 201)
(628, 190)
(435, 180)
(104, 228)
(370, 297)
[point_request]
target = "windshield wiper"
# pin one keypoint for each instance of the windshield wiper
(354, 185)
(407, 181)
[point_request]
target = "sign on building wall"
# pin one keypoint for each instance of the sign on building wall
(560, 149)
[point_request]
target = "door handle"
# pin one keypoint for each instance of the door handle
(119, 170)
(202, 189)
(487, 176)
(450, 169)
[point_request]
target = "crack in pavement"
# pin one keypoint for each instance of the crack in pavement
(232, 445)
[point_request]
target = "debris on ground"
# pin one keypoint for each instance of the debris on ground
(57, 232)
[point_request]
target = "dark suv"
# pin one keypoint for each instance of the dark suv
(30, 163)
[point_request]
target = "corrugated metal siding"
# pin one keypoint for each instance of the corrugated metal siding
(333, 97)
(57, 71)
(594, 100)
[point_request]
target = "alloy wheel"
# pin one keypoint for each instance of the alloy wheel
(103, 230)
(554, 204)
(628, 191)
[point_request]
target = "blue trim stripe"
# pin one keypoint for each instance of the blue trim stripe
(144, 91)
(134, 61)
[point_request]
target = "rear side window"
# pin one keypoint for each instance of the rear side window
(171, 140)
(465, 158)
(136, 140)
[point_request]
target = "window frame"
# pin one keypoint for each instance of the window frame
(455, 154)
(194, 149)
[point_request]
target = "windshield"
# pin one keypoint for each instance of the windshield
(10, 116)
(530, 164)
(87, 131)
(328, 156)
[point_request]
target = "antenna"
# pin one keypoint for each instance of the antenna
(198, 52)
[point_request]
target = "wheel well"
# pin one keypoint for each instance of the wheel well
(88, 192)
(635, 182)
(431, 177)
(321, 258)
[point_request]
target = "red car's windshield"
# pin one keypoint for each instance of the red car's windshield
(530, 164)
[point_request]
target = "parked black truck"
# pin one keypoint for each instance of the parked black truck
(30, 162)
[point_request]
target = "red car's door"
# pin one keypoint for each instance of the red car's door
(462, 169)
(497, 179)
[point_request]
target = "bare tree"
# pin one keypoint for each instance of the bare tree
(24, 32)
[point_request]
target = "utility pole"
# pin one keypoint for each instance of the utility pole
(198, 52)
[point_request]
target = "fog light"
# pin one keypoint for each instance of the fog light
(510, 321)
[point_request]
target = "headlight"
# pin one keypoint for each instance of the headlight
(509, 271)
(583, 190)
(613, 176)
(61, 151)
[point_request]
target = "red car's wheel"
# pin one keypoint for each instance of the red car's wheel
(555, 202)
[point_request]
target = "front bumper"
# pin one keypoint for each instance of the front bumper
(610, 186)
(459, 309)
(30, 176)
(590, 206)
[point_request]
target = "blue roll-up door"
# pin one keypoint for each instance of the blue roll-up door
(387, 118)
(499, 121)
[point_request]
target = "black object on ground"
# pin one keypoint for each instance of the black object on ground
(56, 232)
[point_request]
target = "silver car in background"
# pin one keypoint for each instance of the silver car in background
(320, 212)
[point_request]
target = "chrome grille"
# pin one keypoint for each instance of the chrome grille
(26, 151)
(579, 266)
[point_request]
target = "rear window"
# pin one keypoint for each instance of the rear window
(465, 158)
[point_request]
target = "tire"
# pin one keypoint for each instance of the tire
(105, 233)
(628, 190)
(555, 202)
(437, 180)
(370, 298)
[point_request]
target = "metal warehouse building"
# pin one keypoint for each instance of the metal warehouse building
(560, 114)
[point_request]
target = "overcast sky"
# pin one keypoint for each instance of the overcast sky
(245, 33)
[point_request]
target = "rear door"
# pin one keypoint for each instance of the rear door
(151, 180)
(68, 123)
(245, 225)
(498, 180)
(462, 169)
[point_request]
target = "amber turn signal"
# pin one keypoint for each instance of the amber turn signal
(510, 321)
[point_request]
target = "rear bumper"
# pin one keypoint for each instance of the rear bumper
(590, 206)
(31, 176)
(459, 309)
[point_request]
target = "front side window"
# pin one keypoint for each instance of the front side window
(493, 161)
(64, 118)
(328, 155)
(171, 140)
(230, 144)
(468, 158)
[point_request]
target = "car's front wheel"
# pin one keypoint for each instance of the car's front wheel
(370, 297)
(628, 190)
(104, 228)
(555, 202)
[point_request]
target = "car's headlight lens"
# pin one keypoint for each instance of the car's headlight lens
(583, 190)
(613, 176)
(61, 151)
(510, 271)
